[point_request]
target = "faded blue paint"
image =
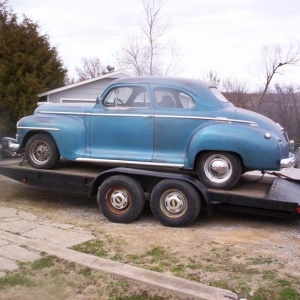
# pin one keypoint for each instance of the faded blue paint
(156, 134)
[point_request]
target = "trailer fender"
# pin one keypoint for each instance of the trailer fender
(149, 179)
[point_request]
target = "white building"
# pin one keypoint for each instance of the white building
(84, 91)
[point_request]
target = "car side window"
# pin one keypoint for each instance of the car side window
(186, 101)
(141, 99)
(171, 98)
(127, 97)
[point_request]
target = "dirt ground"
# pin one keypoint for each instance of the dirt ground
(247, 254)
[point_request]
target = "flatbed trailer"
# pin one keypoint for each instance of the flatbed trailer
(176, 197)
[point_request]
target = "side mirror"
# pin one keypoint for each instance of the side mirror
(97, 100)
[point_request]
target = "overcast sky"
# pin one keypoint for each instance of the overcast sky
(225, 36)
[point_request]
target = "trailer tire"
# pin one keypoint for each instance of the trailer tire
(175, 203)
(121, 199)
(41, 151)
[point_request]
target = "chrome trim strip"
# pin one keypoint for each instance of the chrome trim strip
(218, 119)
(64, 113)
(95, 114)
(123, 115)
(130, 162)
(38, 128)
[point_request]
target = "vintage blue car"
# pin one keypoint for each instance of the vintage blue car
(157, 121)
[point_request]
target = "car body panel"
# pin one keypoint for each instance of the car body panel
(157, 135)
(67, 127)
(125, 133)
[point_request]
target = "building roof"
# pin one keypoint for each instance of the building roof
(107, 75)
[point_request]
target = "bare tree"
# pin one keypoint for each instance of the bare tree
(132, 56)
(274, 59)
(69, 80)
(146, 52)
(288, 108)
(212, 77)
(91, 68)
(237, 92)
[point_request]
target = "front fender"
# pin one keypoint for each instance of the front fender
(68, 132)
(256, 152)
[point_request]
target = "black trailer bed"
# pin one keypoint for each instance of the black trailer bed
(266, 195)
(68, 176)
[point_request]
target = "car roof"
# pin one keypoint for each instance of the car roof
(187, 83)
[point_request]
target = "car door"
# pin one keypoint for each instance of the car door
(122, 125)
(174, 123)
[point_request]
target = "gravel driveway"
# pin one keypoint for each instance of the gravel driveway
(239, 252)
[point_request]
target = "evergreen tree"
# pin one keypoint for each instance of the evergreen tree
(28, 66)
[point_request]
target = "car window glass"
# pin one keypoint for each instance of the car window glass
(171, 98)
(127, 97)
(186, 101)
(141, 99)
(218, 95)
(118, 96)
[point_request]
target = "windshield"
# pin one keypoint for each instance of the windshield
(218, 95)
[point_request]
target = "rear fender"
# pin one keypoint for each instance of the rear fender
(248, 142)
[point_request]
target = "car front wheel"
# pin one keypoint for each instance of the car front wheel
(219, 169)
(41, 151)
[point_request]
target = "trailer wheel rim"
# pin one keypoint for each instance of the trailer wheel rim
(118, 200)
(173, 203)
(40, 152)
(218, 168)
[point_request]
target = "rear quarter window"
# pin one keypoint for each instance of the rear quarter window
(219, 95)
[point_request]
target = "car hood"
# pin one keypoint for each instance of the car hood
(64, 108)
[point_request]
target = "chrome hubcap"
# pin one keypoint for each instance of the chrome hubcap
(218, 168)
(119, 199)
(173, 203)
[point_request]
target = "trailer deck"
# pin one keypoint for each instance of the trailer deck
(269, 196)
(83, 174)
(263, 195)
